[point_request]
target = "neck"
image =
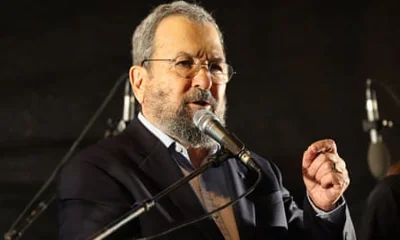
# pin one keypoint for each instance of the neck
(197, 155)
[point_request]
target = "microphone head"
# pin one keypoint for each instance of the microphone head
(201, 117)
(378, 159)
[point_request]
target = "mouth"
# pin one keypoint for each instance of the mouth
(201, 104)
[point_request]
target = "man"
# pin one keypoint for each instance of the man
(381, 216)
(180, 68)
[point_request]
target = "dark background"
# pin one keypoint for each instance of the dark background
(302, 67)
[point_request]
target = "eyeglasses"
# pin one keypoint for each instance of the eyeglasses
(188, 67)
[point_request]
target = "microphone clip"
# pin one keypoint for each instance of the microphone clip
(115, 127)
(219, 157)
(378, 125)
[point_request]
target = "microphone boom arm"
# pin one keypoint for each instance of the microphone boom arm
(145, 206)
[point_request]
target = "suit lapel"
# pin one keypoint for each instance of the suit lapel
(239, 181)
(159, 166)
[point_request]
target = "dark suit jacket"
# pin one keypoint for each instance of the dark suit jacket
(105, 181)
(381, 217)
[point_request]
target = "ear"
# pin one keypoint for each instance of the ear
(137, 75)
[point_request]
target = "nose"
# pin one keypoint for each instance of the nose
(202, 79)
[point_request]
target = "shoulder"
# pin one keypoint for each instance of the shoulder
(271, 173)
(389, 185)
(386, 190)
(134, 143)
(269, 167)
(98, 170)
(98, 153)
(108, 158)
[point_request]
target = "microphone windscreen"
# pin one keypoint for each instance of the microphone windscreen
(201, 117)
(378, 159)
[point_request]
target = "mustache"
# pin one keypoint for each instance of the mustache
(201, 95)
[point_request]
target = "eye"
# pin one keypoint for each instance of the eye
(216, 68)
(184, 63)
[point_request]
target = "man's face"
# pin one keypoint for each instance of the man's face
(170, 100)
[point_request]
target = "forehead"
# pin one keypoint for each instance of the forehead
(176, 34)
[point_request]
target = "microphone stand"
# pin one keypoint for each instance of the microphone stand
(148, 204)
(38, 204)
(17, 231)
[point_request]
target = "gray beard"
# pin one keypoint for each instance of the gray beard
(181, 126)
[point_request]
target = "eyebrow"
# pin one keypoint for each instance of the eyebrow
(212, 59)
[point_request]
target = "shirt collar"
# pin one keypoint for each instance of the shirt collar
(167, 140)
(164, 138)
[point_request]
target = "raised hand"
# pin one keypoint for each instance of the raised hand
(324, 173)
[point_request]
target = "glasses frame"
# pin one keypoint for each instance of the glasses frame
(230, 73)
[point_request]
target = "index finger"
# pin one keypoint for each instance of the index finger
(325, 145)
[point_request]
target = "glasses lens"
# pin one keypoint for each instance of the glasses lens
(186, 68)
(221, 73)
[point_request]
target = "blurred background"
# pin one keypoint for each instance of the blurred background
(301, 72)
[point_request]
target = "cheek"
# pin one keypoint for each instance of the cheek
(178, 88)
(176, 91)
(218, 92)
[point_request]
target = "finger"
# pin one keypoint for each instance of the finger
(325, 168)
(338, 163)
(335, 179)
(316, 165)
(324, 158)
(331, 163)
(328, 168)
(326, 145)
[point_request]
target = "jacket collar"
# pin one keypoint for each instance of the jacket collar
(159, 166)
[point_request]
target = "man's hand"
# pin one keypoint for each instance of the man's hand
(324, 174)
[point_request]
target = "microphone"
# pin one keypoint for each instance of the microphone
(378, 153)
(129, 103)
(209, 124)
(128, 112)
